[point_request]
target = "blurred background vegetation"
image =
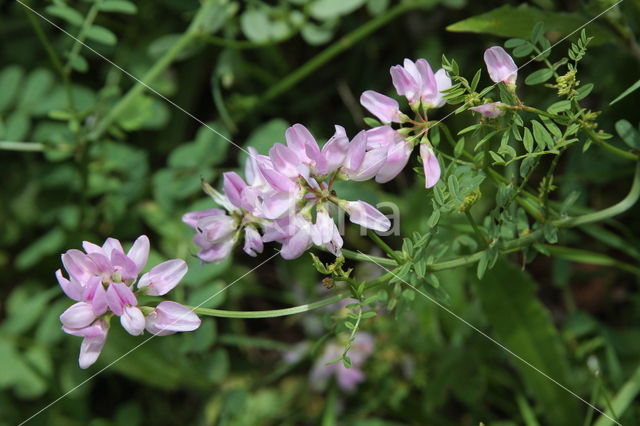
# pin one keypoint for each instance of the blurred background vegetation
(87, 153)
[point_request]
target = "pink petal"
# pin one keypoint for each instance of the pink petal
(192, 218)
(381, 106)
(112, 244)
(124, 265)
(371, 164)
(163, 278)
(431, 166)
(233, 187)
(72, 288)
(92, 346)
(78, 315)
(78, 265)
(171, 317)
(139, 252)
(397, 158)
(501, 67)
(364, 214)
(335, 150)
(252, 241)
(355, 152)
(132, 320)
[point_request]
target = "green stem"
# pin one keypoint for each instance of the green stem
(612, 149)
(349, 254)
(79, 40)
(482, 239)
(289, 311)
(618, 208)
(157, 68)
(384, 246)
(22, 146)
(336, 48)
(53, 56)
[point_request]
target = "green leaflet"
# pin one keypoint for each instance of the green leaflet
(522, 324)
(509, 21)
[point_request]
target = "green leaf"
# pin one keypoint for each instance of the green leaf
(10, 81)
(330, 9)
(522, 324)
(16, 127)
(635, 86)
(46, 245)
(62, 11)
(538, 77)
(584, 91)
(510, 21)
(629, 135)
(255, 25)
(38, 83)
(527, 140)
(119, 6)
(541, 135)
(317, 34)
(25, 305)
(101, 35)
(559, 107)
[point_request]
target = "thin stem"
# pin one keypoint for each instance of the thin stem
(482, 239)
(289, 311)
(79, 40)
(161, 64)
(384, 246)
(618, 208)
(22, 146)
(349, 254)
(612, 149)
(336, 48)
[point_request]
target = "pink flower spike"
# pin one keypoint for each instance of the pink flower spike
(500, 65)
(364, 214)
(139, 252)
(491, 110)
(162, 278)
(71, 288)
(132, 320)
(92, 345)
(386, 109)
(431, 166)
(78, 315)
(252, 241)
(169, 317)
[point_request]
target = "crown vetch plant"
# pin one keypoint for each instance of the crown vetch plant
(289, 196)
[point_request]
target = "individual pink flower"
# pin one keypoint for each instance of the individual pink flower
(365, 215)
(490, 110)
(430, 165)
(104, 280)
(216, 233)
(501, 67)
(397, 151)
(384, 108)
(170, 317)
(347, 378)
(362, 163)
(418, 83)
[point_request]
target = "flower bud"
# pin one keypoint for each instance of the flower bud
(500, 66)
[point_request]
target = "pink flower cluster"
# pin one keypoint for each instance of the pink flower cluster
(423, 89)
(104, 282)
(288, 197)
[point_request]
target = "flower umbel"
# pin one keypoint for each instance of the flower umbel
(104, 282)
